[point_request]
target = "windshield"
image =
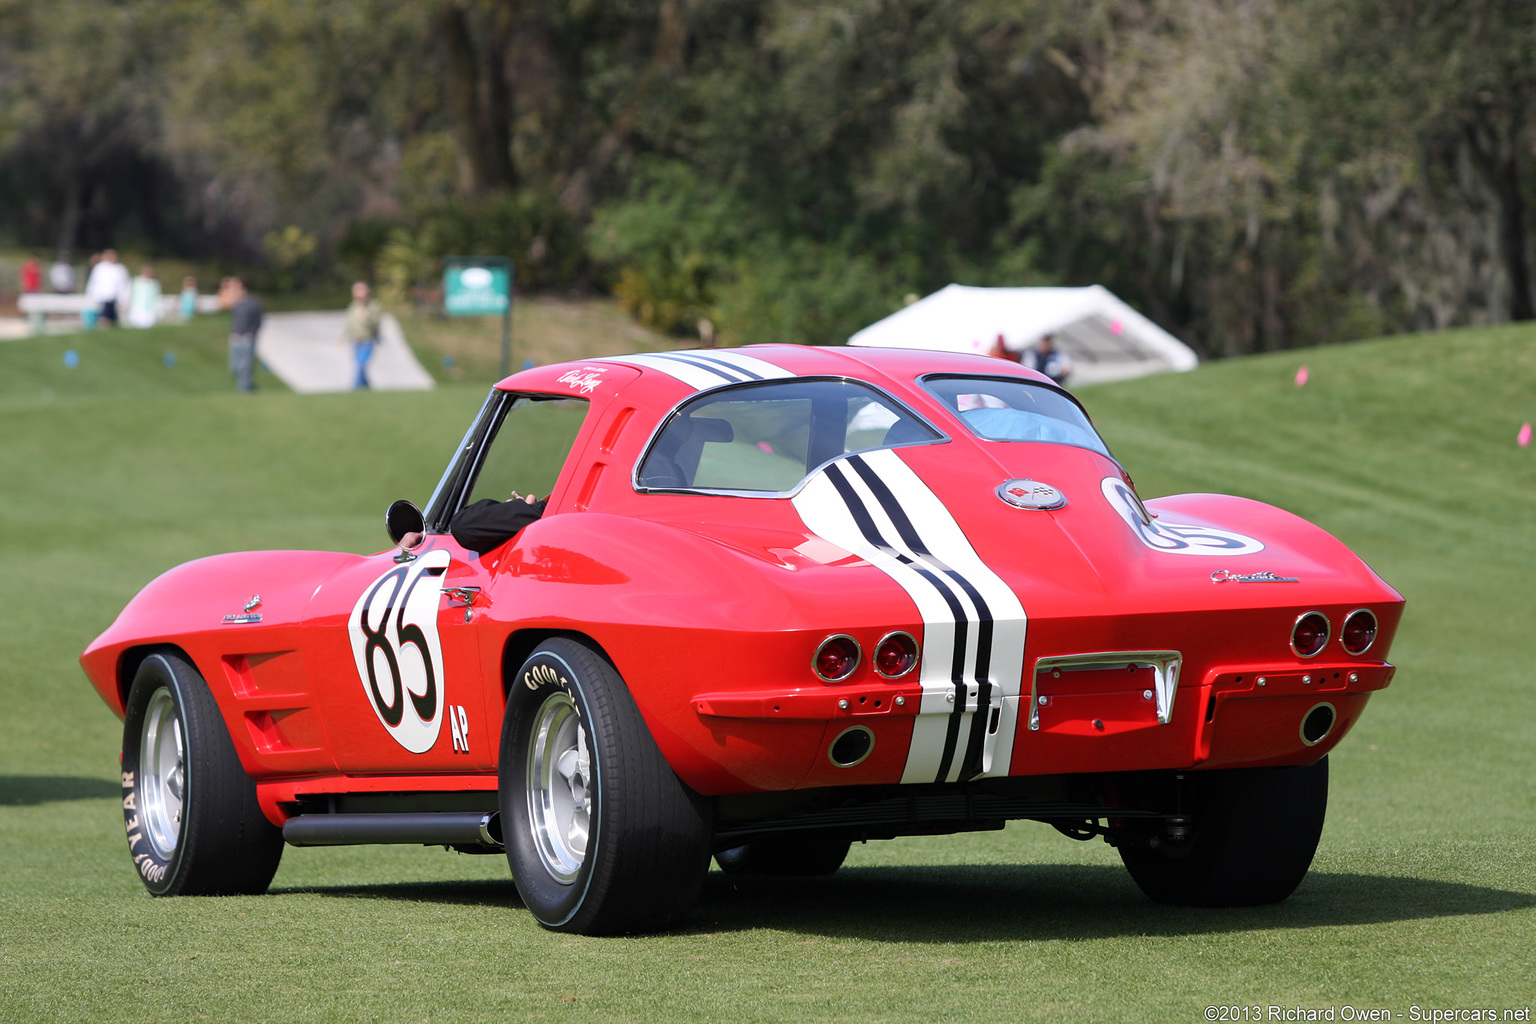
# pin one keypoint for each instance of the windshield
(767, 438)
(1009, 409)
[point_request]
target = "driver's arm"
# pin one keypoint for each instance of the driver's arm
(490, 523)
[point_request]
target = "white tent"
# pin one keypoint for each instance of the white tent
(1105, 338)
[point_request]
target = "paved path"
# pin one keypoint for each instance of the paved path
(306, 353)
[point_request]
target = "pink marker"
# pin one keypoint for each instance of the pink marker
(1301, 376)
(1523, 439)
(1116, 328)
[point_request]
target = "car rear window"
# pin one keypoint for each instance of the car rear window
(768, 437)
(1009, 409)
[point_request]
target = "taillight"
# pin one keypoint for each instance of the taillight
(1359, 631)
(896, 655)
(1309, 634)
(836, 658)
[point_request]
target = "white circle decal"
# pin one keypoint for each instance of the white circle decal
(1173, 538)
(397, 652)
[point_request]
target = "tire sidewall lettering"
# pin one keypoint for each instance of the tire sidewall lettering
(542, 674)
(397, 651)
(537, 676)
(154, 869)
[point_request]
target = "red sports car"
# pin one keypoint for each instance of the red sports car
(780, 599)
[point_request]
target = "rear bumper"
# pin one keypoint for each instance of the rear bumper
(1083, 714)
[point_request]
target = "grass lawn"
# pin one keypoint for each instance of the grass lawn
(545, 329)
(1423, 891)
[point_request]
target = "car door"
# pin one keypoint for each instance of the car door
(396, 637)
(400, 694)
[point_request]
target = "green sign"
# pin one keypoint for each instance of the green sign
(471, 289)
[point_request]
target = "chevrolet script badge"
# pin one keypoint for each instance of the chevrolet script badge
(1030, 494)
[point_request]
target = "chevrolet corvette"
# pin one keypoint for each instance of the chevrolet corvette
(780, 600)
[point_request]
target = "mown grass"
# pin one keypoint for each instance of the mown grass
(545, 329)
(1423, 892)
(153, 363)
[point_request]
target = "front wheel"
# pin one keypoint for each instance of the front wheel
(194, 825)
(1253, 832)
(602, 836)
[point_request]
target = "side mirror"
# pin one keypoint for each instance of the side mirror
(403, 518)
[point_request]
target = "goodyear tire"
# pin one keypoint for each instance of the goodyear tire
(194, 826)
(790, 855)
(1254, 832)
(602, 837)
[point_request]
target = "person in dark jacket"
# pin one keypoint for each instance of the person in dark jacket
(490, 523)
(1049, 360)
(244, 323)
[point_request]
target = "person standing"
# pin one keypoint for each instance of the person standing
(244, 324)
(1000, 350)
(364, 316)
(61, 276)
(188, 298)
(1047, 359)
(144, 299)
(107, 286)
(31, 276)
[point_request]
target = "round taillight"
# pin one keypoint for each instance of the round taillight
(1359, 631)
(836, 658)
(1309, 634)
(896, 655)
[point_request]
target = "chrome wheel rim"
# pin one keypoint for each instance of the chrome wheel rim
(162, 774)
(559, 782)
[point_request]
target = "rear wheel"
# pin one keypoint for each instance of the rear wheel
(602, 836)
(1253, 832)
(194, 825)
(789, 855)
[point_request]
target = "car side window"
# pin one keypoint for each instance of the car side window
(767, 438)
(1009, 409)
(527, 449)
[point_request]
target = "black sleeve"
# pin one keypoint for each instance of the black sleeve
(490, 523)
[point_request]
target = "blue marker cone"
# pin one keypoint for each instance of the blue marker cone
(71, 358)
(169, 359)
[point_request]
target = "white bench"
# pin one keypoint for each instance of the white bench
(38, 306)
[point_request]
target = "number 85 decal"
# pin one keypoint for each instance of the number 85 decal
(398, 655)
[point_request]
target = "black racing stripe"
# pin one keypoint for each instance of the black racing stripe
(724, 362)
(871, 532)
(976, 745)
(985, 625)
(735, 376)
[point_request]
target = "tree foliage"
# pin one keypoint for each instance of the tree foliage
(1254, 174)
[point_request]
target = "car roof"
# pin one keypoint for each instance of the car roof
(681, 372)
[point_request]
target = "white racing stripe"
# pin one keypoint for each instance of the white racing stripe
(703, 369)
(873, 505)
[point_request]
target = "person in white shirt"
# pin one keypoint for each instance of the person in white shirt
(107, 286)
(144, 299)
(62, 275)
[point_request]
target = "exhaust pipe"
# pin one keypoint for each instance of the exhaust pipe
(427, 828)
(851, 747)
(1318, 723)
